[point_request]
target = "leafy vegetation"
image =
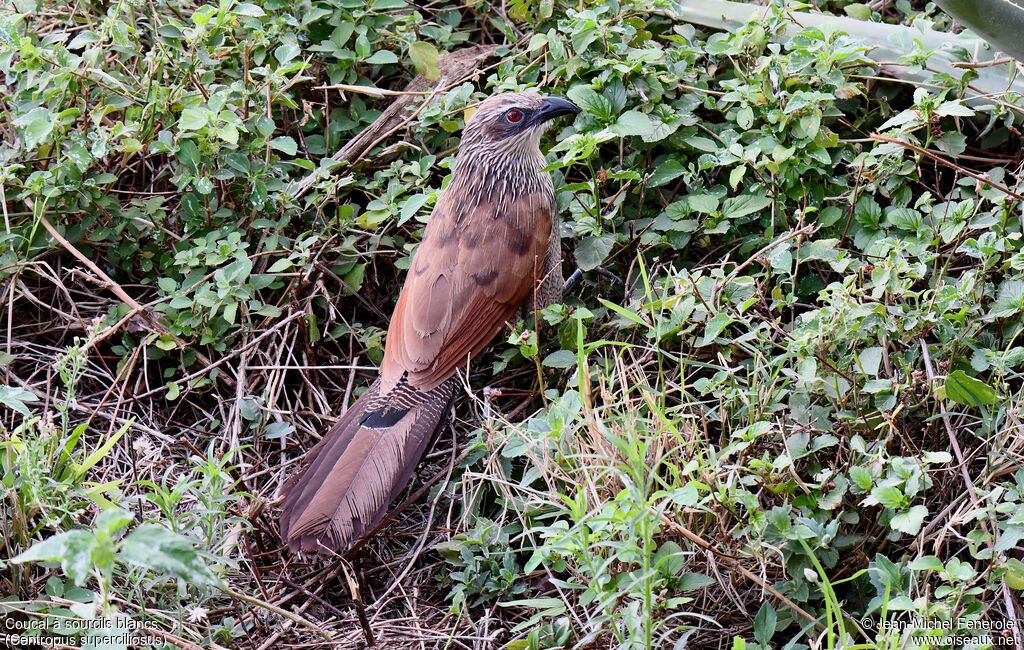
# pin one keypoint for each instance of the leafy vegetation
(779, 408)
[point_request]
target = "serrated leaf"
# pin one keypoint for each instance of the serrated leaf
(889, 496)
(590, 101)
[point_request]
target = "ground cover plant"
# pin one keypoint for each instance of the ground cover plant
(779, 407)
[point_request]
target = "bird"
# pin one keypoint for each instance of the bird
(490, 248)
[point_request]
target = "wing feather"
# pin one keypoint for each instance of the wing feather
(475, 266)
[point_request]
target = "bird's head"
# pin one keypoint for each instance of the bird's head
(514, 120)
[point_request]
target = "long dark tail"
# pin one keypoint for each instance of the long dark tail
(360, 466)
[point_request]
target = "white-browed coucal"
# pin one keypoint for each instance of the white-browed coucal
(491, 241)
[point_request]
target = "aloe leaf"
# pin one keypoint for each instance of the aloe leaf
(1000, 22)
(888, 43)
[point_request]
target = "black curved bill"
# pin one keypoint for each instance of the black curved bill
(553, 107)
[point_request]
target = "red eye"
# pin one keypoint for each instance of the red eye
(514, 116)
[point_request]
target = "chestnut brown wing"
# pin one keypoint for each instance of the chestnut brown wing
(475, 266)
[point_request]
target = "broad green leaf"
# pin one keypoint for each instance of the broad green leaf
(249, 9)
(764, 624)
(715, 326)
(382, 57)
(909, 522)
(72, 550)
(590, 101)
(691, 581)
(36, 126)
(741, 206)
(166, 553)
(889, 496)
(560, 359)
(593, 250)
(17, 399)
(964, 389)
(424, 57)
(193, 118)
(285, 144)
(286, 52)
(870, 360)
(926, 563)
(633, 123)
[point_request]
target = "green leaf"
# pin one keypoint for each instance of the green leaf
(937, 457)
(590, 101)
(280, 266)
(861, 477)
(560, 359)
(248, 9)
(99, 453)
(703, 203)
(36, 126)
(670, 559)
(16, 399)
(745, 204)
(764, 624)
(691, 581)
(424, 57)
(286, 52)
(858, 11)
(412, 206)
(714, 327)
(193, 118)
(870, 360)
(382, 57)
(954, 108)
(889, 496)
(666, 172)
(906, 219)
(909, 522)
(926, 563)
(622, 311)
(166, 553)
(964, 389)
(72, 550)
(633, 123)
(285, 144)
(593, 250)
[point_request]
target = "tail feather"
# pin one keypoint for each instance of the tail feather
(359, 467)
